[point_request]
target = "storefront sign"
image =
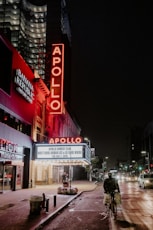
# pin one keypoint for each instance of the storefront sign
(57, 73)
(64, 140)
(24, 86)
(9, 150)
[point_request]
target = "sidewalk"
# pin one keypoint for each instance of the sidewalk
(15, 205)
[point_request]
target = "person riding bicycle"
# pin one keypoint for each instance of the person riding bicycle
(111, 188)
(110, 184)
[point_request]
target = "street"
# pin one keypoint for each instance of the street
(87, 212)
(136, 211)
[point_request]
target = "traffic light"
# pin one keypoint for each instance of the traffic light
(140, 168)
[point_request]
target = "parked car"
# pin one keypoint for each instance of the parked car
(145, 180)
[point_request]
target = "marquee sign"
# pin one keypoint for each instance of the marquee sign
(64, 152)
(57, 75)
(59, 152)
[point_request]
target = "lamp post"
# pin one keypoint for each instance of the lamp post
(70, 175)
(148, 162)
(90, 166)
(105, 164)
(146, 154)
(88, 141)
(106, 160)
(70, 171)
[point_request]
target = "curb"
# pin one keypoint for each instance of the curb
(55, 213)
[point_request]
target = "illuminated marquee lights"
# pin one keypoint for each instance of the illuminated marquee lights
(57, 73)
(65, 140)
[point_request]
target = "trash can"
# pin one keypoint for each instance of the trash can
(35, 204)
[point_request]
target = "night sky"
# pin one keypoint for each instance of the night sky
(112, 76)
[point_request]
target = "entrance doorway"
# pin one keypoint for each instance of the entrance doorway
(6, 177)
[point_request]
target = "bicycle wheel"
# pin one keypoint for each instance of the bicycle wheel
(108, 210)
(114, 209)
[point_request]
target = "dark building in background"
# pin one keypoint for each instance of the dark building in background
(32, 27)
(58, 30)
(5, 67)
(136, 143)
(24, 24)
(148, 144)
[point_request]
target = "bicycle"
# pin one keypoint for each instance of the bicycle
(111, 206)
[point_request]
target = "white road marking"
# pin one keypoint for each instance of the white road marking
(79, 219)
(82, 210)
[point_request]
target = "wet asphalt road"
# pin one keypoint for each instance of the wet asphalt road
(86, 212)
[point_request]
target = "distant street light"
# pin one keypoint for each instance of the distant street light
(146, 154)
(105, 163)
(106, 158)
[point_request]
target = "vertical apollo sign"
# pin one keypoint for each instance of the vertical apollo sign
(57, 78)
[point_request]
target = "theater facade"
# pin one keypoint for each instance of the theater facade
(39, 139)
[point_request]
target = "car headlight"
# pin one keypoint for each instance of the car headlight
(147, 181)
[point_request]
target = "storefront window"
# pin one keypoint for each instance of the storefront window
(11, 121)
(5, 177)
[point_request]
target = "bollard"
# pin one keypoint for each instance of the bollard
(47, 205)
(31, 183)
(44, 199)
(54, 200)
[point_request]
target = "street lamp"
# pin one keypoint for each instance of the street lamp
(90, 166)
(70, 171)
(70, 175)
(88, 141)
(148, 162)
(146, 154)
(106, 160)
(105, 163)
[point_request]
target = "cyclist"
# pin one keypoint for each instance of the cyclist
(111, 187)
(110, 184)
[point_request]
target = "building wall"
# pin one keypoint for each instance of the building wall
(17, 106)
(13, 100)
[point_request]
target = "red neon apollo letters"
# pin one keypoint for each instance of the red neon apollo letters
(57, 75)
(65, 140)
